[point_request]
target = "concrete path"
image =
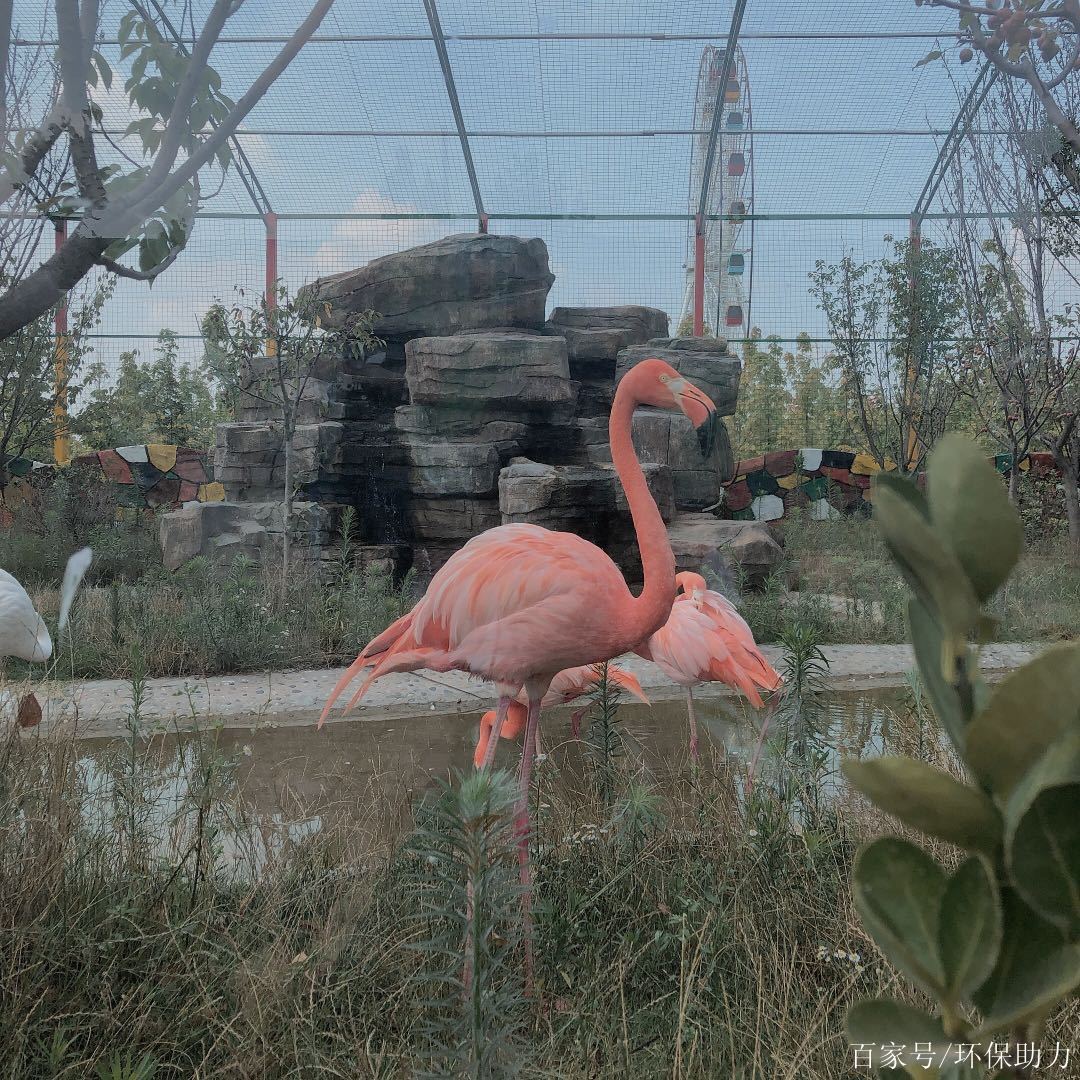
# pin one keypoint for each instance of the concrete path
(292, 698)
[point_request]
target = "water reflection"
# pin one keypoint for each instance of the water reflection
(270, 787)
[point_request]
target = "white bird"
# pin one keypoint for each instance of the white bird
(23, 632)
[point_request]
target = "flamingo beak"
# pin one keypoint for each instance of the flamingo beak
(701, 412)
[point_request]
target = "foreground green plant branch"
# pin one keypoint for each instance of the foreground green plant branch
(996, 942)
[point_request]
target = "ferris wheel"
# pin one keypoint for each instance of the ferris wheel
(729, 243)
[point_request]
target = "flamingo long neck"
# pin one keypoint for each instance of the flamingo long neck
(649, 611)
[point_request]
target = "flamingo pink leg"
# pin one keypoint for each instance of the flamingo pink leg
(523, 831)
(575, 722)
(489, 755)
(501, 710)
(695, 754)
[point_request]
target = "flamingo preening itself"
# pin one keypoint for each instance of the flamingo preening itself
(567, 686)
(519, 603)
(23, 632)
(705, 639)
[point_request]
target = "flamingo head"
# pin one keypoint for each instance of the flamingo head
(657, 383)
(693, 585)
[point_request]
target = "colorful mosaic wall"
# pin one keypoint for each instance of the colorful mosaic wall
(824, 482)
(150, 476)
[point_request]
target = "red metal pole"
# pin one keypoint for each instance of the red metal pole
(270, 220)
(699, 277)
(61, 441)
(483, 223)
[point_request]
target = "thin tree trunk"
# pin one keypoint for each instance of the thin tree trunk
(286, 512)
(1070, 481)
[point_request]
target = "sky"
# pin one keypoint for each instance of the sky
(615, 85)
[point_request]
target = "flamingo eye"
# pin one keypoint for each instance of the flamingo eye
(665, 378)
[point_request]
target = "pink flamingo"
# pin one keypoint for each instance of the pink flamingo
(706, 640)
(518, 603)
(567, 686)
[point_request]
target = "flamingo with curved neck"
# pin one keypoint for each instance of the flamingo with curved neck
(705, 639)
(520, 603)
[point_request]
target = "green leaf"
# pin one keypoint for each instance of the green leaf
(905, 489)
(876, 1025)
(969, 504)
(1035, 969)
(103, 67)
(1026, 712)
(970, 928)
(929, 800)
(1042, 843)
(930, 567)
(898, 890)
(934, 54)
(926, 640)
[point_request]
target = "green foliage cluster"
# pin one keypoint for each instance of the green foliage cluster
(469, 912)
(29, 391)
(789, 399)
(160, 85)
(77, 510)
(894, 323)
(163, 400)
(996, 939)
(199, 620)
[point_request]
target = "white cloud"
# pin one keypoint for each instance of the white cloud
(353, 243)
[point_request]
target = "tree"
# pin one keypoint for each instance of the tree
(184, 128)
(760, 422)
(1022, 373)
(29, 389)
(818, 411)
(267, 353)
(22, 226)
(893, 323)
(1024, 39)
(163, 401)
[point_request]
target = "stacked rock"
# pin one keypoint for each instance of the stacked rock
(475, 411)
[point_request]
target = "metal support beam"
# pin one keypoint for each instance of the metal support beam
(572, 133)
(244, 168)
(699, 276)
(455, 108)
(640, 35)
(718, 105)
(969, 108)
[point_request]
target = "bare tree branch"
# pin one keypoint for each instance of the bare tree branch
(5, 59)
(139, 275)
(177, 127)
(33, 153)
(148, 200)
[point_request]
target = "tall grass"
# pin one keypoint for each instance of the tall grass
(849, 591)
(154, 921)
(203, 620)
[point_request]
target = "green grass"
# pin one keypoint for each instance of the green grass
(680, 932)
(159, 925)
(687, 946)
(205, 621)
(844, 559)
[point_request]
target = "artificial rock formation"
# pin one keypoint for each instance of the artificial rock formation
(475, 412)
(463, 282)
